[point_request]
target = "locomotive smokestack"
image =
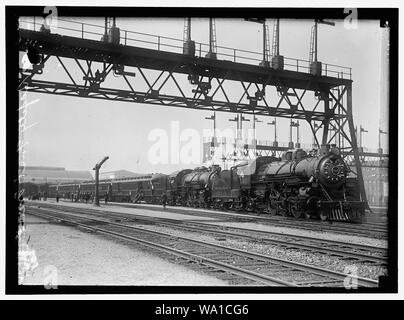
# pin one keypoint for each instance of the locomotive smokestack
(324, 149)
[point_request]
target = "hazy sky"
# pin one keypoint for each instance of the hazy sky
(75, 133)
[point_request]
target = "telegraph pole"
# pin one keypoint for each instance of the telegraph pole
(380, 149)
(294, 124)
(213, 142)
(97, 175)
(255, 120)
(360, 137)
(273, 123)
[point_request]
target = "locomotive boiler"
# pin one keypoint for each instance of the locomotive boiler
(302, 184)
(198, 186)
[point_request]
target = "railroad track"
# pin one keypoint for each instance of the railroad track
(351, 251)
(244, 266)
(371, 231)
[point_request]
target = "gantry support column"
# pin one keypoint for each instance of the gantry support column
(354, 145)
(326, 121)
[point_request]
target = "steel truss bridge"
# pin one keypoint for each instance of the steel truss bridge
(163, 75)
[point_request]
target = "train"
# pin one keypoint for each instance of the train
(300, 184)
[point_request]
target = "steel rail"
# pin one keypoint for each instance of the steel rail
(335, 224)
(280, 221)
(193, 257)
(264, 232)
(197, 226)
(260, 257)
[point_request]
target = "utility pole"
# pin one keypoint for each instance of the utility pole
(213, 143)
(380, 149)
(189, 45)
(255, 120)
(315, 40)
(241, 134)
(360, 138)
(212, 40)
(315, 65)
(294, 124)
(239, 119)
(273, 123)
(265, 44)
(236, 119)
(277, 59)
(241, 124)
(97, 175)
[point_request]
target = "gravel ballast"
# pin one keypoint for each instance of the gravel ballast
(366, 270)
(249, 225)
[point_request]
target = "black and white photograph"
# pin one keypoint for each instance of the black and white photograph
(201, 150)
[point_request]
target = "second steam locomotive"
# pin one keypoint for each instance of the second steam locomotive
(299, 184)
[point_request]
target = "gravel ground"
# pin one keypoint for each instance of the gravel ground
(249, 225)
(307, 233)
(84, 258)
(366, 270)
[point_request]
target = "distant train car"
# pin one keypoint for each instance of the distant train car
(66, 191)
(147, 188)
(34, 191)
(125, 189)
(158, 186)
(88, 189)
(29, 190)
(53, 191)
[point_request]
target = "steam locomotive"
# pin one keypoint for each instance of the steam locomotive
(299, 184)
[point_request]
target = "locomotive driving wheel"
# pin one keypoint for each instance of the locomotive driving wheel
(283, 209)
(295, 210)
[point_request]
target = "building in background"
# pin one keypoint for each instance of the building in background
(376, 182)
(51, 175)
(118, 174)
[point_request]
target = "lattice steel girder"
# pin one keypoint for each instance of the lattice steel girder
(202, 71)
(84, 49)
(167, 100)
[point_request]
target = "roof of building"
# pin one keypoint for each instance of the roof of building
(52, 175)
(120, 174)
